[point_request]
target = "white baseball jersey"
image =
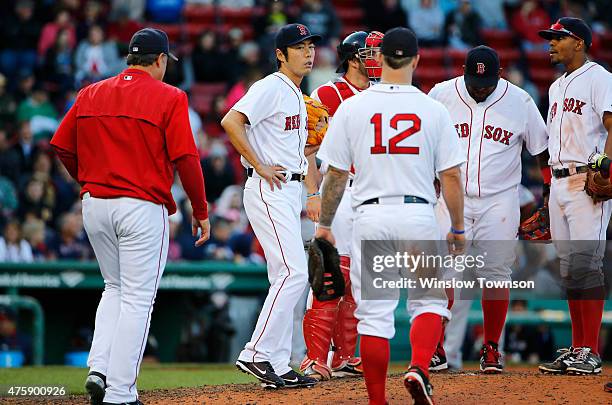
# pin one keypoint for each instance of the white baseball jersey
(412, 134)
(492, 133)
(277, 116)
(577, 103)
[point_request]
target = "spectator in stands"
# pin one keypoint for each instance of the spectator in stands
(212, 122)
(11, 338)
(13, 248)
(33, 202)
(275, 16)
(239, 89)
(63, 21)
(382, 15)
(427, 22)
(122, 28)
(8, 200)
(527, 21)
(95, 58)
(218, 171)
(136, 8)
(25, 147)
(8, 106)
(516, 77)
(320, 17)
(527, 342)
(92, 15)
(25, 84)
(39, 112)
(493, 12)
(165, 11)
(249, 57)
(10, 160)
(57, 63)
(71, 242)
(462, 27)
(66, 189)
(209, 63)
(34, 233)
(18, 39)
(174, 227)
(324, 69)
(230, 206)
(218, 248)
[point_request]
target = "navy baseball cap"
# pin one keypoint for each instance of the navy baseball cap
(150, 41)
(399, 42)
(292, 34)
(569, 27)
(481, 67)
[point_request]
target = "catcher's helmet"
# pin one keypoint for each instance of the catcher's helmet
(349, 47)
(367, 54)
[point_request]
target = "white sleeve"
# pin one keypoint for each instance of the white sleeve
(449, 152)
(602, 93)
(335, 149)
(434, 92)
(260, 102)
(536, 137)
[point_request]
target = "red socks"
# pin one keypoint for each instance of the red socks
(424, 336)
(375, 357)
(575, 310)
(494, 310)
(592, 312)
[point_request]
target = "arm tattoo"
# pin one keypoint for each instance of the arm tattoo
(333, 189)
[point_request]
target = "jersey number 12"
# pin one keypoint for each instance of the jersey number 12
(394, 149)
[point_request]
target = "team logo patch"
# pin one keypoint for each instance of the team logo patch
(480, 68)
(134, 49)
(302, 29)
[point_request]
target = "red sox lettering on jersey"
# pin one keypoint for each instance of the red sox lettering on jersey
(292, 122)
(491, 132)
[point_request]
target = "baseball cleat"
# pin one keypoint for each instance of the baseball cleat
(296, 380)
(315, 369)
(608, 387)
(419, 387)
(263, 371)
(560, 364)
(137, 402)
(95, 385)
(351, 368)
(438, 360)
(585, 363)
(490, 359)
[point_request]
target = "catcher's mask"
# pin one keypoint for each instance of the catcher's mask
(349, 48)
(367, 55)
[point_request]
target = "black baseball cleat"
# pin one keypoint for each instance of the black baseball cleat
(585, 363)
(608, 387)
(438, 360)
(137, 402)
(560, 364)
(263, 371)
(296, 380)
(419, 387)
(95, 385)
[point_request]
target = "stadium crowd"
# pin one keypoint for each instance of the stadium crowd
(51, 49)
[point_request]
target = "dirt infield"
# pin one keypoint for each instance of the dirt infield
(516, 386)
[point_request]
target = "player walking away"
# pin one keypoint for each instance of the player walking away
(335, 319)
(268, 128)
(121, 140)
(579, 124)
(493, 119)
(393, 128)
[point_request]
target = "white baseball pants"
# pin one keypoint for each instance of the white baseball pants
(275, 218)
(130, 239)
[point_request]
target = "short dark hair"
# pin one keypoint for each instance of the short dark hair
(397, 63)
(141, 60)
(285, 52)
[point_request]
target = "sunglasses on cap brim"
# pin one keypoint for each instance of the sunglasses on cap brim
(562, 30)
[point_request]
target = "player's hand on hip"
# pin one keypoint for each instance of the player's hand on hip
(204, 226)
(274, 175)
(326, 234)
(456, 243)
(313, 208)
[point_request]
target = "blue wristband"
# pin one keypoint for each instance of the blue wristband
(313, 194)
(456, 232)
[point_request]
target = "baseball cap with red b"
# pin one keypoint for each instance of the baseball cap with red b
(569, 27)
(481, 67)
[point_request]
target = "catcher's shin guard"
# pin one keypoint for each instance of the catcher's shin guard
(318, 326)
(345, 330)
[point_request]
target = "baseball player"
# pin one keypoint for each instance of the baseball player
(326, 319)
(121, 140)
(268, 128)
(579, 124)
(484, 109)
(385, 132)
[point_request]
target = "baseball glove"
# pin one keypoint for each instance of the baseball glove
(318, 119)
(537, 226)
(324, 274)
(597, 187)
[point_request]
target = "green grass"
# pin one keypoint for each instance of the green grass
(152, 376)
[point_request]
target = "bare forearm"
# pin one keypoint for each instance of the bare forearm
(313, 176)
(452, 191)
(334, 184)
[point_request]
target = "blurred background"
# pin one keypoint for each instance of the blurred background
(210, 297)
